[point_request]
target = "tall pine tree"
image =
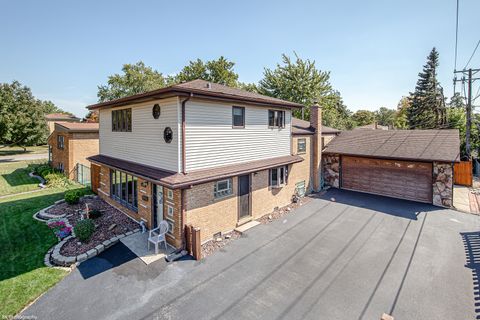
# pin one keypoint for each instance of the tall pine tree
(427, 110)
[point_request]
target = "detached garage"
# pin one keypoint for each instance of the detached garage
(407, 164)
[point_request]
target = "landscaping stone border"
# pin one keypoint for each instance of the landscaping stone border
(42, 183)
(54, 257)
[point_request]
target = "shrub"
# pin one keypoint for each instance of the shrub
(72, 196)
(84, 229)
(94, 214)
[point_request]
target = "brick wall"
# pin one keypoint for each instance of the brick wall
(83, 145)
(209, 214)
(60, 155)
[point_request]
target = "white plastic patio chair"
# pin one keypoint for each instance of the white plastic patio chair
(157, 235)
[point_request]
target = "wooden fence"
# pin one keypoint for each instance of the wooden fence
(193, 243)
(463, 174)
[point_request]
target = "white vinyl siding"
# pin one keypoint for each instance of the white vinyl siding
(145, 144)
(211, 141)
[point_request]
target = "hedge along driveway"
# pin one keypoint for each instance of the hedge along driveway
(24, 242)
(14, 178)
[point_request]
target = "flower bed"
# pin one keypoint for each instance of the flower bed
(108, 224)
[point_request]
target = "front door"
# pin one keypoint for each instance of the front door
(243, 196)
(158, 210)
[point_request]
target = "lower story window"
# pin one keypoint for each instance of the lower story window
(170, 227)
(300, 188)
(123, 189)
(60, 167)
(278, 177)
(223, 188)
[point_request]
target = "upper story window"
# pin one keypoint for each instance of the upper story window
(278, 177)
(276, 119)
(60, 142)
(238, 117)
(122, 120)
(223, 188)
(301, 145)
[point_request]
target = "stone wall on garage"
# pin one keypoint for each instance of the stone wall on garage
(443, 184)
(331, 170)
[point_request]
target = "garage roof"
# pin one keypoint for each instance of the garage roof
(414, 145)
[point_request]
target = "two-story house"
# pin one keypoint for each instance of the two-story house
(205, 155)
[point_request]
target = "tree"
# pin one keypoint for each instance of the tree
(401, 121)
(136, 78)
(50, 107)
(92, 116)
(385, 117)
(297, 81)
(22, 117)
(427, 109)
(335, 113)
(363, 117)
(217, 71)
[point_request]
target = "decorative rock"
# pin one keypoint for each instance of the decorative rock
(228, 236)
(112, 226)
(91, 253)
(129, 233)
(270, 217)
(218, 239)
(100, 248)
(82, 257)
(107, 243)
(120, 236)
(69, 260)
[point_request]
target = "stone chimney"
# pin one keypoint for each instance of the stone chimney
(316, 123)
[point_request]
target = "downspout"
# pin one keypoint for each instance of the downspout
(182, 191)
(183, 133)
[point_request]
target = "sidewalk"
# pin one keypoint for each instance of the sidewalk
(23, 157)
(466, 201)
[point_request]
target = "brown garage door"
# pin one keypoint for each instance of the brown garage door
(398, 179)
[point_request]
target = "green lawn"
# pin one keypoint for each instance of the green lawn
(14, 178)
(9, 151)
(23, 245)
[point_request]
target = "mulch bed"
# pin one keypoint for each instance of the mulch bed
(280, 212)
(109, 217)
(213, 245)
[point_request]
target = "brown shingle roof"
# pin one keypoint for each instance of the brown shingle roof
(201, 89)
(300, 127)
(78, 126)
(415, 145)
(179, 180)
(61, 116)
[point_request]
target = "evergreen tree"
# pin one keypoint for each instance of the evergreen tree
(427, 110)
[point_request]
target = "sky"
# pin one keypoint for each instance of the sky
(374, 50)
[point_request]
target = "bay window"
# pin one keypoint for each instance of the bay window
(123, 189)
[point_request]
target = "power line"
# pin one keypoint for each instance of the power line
(456, 39)
(475, 50)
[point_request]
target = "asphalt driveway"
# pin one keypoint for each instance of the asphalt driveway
(353, 258)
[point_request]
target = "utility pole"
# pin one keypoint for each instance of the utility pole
(468, 128)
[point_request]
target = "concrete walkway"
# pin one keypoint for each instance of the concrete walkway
(461, 199)
(344, 255)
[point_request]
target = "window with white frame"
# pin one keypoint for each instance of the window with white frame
(170, 194)
(276, 119)
(223, 188)
(170, 211)
(301, 145)
(278, 177)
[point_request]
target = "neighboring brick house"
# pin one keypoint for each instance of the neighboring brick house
(71, 143)
(52, 118)
(408, 164)
(205, 155)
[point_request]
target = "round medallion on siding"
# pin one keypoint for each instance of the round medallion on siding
(168, 134)
(156, 111)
